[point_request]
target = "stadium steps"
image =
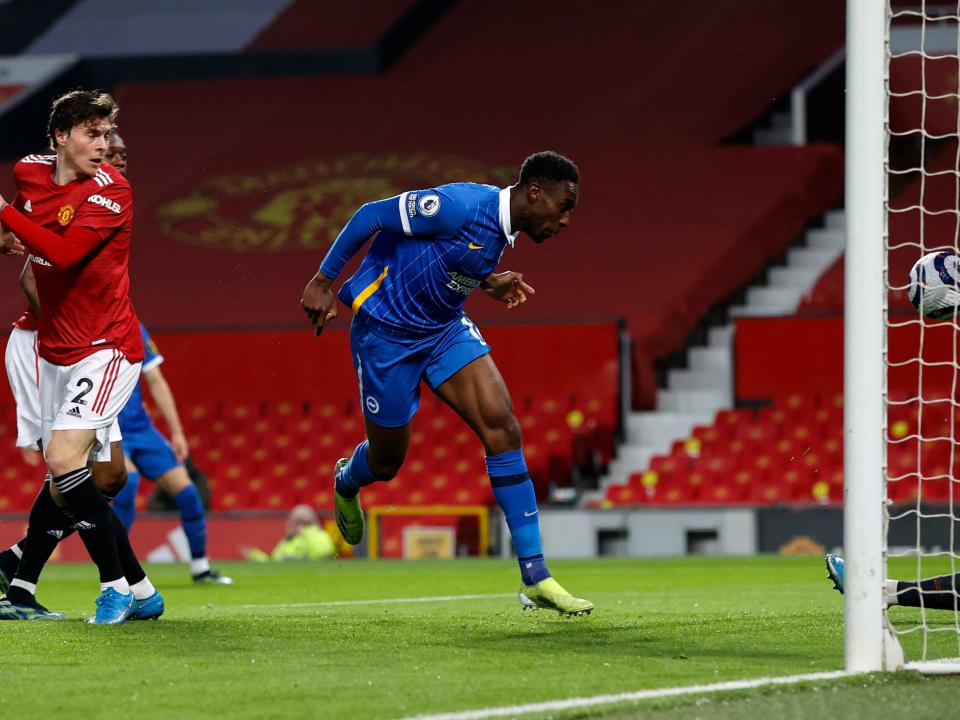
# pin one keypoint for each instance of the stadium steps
(696, 393)
(780, 131)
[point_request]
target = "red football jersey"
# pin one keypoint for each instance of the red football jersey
(85, 307)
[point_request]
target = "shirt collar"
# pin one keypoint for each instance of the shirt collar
(505, 216)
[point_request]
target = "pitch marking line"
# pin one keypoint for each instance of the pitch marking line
(384, 601)
(582, 702)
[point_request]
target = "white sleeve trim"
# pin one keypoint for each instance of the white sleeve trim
(404, 220)
(156, 361)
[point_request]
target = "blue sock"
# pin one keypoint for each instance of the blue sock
(356, 474)
(513, 490)
(125, 503)
(193, 519)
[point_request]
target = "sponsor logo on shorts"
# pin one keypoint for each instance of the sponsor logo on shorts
(74, 411)
(65, 215)
(372, 405)
(105, 202)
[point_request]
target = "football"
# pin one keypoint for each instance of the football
(934, 288)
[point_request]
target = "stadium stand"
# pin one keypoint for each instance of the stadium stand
(242, 183)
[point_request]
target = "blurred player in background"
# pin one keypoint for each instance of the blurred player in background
(432, 249)
(151, 455)
(74, 215)
(935, 593)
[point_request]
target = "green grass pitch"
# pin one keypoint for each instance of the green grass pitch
(278, 645)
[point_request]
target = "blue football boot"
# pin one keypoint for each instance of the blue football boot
(113, 607)
(835, 565)
(149, 608)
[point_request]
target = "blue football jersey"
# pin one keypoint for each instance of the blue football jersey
(432, 249)
(134, 416)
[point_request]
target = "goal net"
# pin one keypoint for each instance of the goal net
(921, 413)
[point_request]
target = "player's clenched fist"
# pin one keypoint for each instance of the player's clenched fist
(319, 302)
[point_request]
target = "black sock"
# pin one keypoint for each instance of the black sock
(9, 560)
(47, 526)
(94, 521)
(939, 593)
(132, 569)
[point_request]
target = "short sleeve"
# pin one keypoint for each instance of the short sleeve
(151, 353)
(106, 210)
(434, 212)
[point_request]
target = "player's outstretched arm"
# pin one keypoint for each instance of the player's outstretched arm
(163, 396)
(319, 302)
(508, 287)
(60, 251)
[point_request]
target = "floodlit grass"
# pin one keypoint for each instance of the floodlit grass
(274, 645)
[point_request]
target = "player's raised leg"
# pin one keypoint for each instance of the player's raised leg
(478, 394)
(378, 458)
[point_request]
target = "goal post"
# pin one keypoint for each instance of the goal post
(864, 336)
(902, 370)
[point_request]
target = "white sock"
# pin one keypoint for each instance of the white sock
(15, 549)
(890, 592)
(28, 586)
(121, 586)
(143, 589)
(199, 565)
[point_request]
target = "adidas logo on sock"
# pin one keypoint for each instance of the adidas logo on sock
(74, 411)
(58, 534)
(83, 525)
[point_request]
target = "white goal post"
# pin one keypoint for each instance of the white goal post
(872, 642)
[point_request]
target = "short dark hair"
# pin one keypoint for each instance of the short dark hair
(549, 166)
(79, 107)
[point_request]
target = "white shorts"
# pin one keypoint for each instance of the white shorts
(23, 374)
(88, 395)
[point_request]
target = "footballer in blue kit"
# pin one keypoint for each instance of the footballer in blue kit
(149, 454)
(431, 249)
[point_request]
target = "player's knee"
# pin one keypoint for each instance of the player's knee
(60, 463)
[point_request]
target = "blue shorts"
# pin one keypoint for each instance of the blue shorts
(150, 452)
(389, 369)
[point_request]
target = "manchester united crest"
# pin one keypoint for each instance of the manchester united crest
(304, 206)
(65, 215)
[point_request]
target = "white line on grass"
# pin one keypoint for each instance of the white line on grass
(383, 601)
(581, 702)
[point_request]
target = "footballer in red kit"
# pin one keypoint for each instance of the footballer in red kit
(74, 214)
(83, 289)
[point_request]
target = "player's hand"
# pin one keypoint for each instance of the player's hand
(508, 287)
(181, 448)
(319, 302)
(11, 243)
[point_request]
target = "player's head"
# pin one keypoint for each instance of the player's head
(300, 517)
(550, 184)
(116, 154)
(79, 128)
